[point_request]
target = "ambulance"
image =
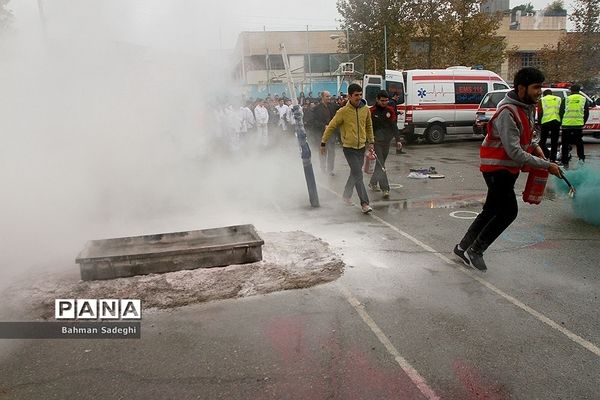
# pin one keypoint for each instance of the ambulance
(489, 103)
(434, 103)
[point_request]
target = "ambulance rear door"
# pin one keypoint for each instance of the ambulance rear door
(394, 83)
(372, 84)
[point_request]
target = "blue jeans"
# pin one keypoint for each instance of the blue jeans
(355, 158)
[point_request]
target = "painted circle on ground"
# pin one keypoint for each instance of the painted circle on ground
(464, 214)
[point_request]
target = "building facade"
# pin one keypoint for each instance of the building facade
(315, 56)
(314, 59)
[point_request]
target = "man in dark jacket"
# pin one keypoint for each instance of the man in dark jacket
(321, 115)
(384, 129)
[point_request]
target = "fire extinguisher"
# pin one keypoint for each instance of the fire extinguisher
(534, 188)
(398, 147)
(369, 162)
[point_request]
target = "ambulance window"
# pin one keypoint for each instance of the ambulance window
(500, 86)
(469, 93)
(371, 94)
(491, 100)
(395, 87)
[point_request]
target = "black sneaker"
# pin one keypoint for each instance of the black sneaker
(476, 259)
(461, 253)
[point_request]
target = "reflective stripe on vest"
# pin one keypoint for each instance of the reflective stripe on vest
(574, 110)
(551, 108)
(492, 153)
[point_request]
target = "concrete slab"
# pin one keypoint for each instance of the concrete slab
(167, 252)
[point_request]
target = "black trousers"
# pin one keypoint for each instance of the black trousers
(499, 211)
(571, 135)
(379, 176)
(551, 129)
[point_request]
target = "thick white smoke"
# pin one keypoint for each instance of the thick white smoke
(107, 127)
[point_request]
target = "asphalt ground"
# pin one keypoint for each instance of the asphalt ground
(405, 321)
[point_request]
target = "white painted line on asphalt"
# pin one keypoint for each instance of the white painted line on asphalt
(536, 314)
(539, 316)
(412, 373)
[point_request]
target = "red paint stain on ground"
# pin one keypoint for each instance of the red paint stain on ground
(546, 245)
(286, 335)
(477, 386)
(358, 374)
(321, 363)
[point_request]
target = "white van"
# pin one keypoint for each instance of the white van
(435, 102)
(488, 106)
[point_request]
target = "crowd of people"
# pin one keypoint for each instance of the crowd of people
(328, 121)
(265, 121)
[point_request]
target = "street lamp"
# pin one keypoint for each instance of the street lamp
(338, 36)
(385, 46)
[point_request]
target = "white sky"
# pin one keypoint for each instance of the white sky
(170, 23)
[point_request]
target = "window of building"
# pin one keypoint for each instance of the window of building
(276, 61)
(255, 63)
(529, 59)
(319, 63)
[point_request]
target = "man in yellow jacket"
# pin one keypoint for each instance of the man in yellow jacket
(356, 131)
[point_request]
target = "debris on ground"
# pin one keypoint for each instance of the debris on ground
(291, 260)
(424, 173)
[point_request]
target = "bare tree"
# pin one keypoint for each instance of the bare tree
(524, 8)
(472, 39)
(423, 33)
(575, 57)
(366, 20)
(557, 7)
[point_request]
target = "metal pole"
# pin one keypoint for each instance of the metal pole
(308, 55)
(288, 73)
(385, 46)
(243, 61)
(305, 153)
(348, 42)
(267, 61)
(42, 15)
